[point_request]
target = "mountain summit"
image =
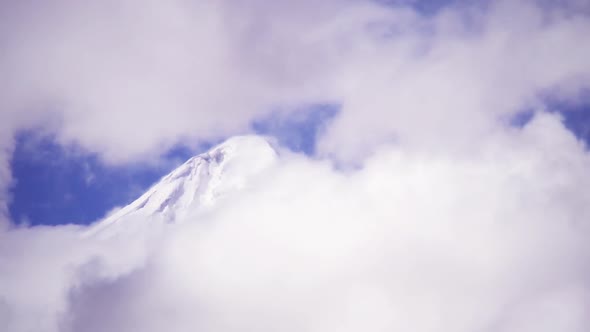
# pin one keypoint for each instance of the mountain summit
(199, 182)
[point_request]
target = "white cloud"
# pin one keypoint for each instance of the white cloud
(423, 85)
(462, 224)
(181, 69)
(491, 241)
(94, 72)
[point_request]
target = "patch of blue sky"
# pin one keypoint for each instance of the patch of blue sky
(62, 185)
(520, 119)
(425, 7)
(576, 116)
(575, 113)
(297, 131)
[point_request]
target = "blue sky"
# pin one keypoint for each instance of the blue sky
(437, 160)
(57, 185)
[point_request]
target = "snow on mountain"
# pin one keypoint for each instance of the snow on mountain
(198, 183)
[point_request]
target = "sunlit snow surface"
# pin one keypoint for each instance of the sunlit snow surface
(195, 185)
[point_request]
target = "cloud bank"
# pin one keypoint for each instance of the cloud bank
(184, 71)
(453, 220)
(494, 241)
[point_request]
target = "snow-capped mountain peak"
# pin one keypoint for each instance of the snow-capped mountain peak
(200, 181)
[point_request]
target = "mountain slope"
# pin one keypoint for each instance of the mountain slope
(197, 183)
